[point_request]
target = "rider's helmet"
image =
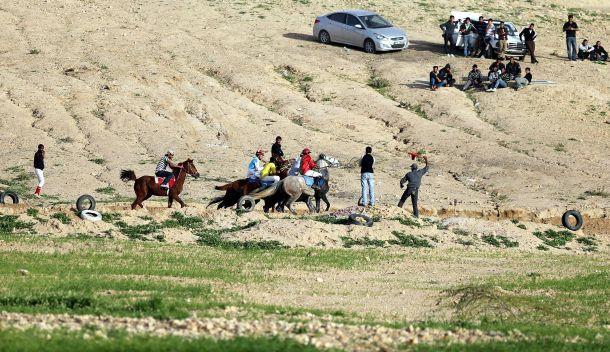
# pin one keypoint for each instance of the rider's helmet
(170, 152)
(306, 151)
(260, 152)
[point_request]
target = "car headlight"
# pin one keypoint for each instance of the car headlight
(381, 37)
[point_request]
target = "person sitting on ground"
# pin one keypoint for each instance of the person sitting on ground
(435, 81)
(474, 78)
(161, 169)
(446, 76)
(268, 173)
(505, 76)
(513, 68)
(584, 50)
(524, 81)
(276, 149)
(308, 166)
(498, 63)
(599, 53)
(256, 166)
(413, 180)
(495, 81)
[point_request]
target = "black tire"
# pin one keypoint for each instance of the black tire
(246, 203)
(369, 46)
(324, 37)
(565, 220)
(10, 194)
(353, 219)
(82, 201)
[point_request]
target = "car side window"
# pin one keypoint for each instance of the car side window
(337, 17)
(353, 21)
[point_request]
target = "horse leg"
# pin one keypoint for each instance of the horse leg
(326, 201)
(291, 200)
(310, 206)
(170, 200)
(145, 198)
(317, 204)
(177, 198)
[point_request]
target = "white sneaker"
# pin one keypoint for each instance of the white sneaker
(448, 55)
(452, 55)
(491, 90)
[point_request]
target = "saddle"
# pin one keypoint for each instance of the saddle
(159, 180)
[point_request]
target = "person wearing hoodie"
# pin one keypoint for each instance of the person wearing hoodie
(449, 28)
(413, 180)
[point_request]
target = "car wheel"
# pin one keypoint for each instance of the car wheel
(324, 37)
(369, 46)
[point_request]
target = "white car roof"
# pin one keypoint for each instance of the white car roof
(460, 15)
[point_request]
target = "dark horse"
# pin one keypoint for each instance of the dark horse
(278, 200)
(236, 189)
(146, 187)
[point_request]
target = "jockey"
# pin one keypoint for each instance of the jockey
(161, 169)
(295, 169)
(307, 166)
(269, 172)
(256, 166)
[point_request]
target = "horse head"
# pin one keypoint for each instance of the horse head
(189, 167)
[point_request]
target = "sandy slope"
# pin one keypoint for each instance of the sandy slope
(124, 80)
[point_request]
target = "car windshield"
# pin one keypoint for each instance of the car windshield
(375, 21)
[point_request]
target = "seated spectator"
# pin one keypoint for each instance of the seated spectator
(599, 53)
(495, 81)
(474, 78)
(524, 81)
(513, 68)
(498, 63)
(446, 76)
(435, 81)
(584, 50)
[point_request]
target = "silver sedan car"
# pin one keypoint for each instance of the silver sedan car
(360, 28)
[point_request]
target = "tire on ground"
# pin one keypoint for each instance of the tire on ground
(360, 219)
(246, 203)
(9, 194)
(82, 201)
(90, 215)
(565, 220)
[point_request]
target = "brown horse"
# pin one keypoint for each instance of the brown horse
(241, 187)
(146, 186)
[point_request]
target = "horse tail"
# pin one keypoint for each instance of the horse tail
(215, 200)
(266, 192)
(128, 175)
(224, 187)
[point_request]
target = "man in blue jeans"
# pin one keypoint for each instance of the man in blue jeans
(467, 29)
(570, 28)
(367, 180)
(435, 81)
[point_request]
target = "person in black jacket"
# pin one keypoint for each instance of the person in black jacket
(529, 36)
(38, 169)
(367, 180)
(513, 68)
(276, 149)
(449, 28)
(599, 53)
(413, 179)
(446, 75)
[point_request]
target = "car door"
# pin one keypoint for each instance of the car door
(354, 35)
(336, 27)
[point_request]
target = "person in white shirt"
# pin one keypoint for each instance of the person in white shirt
(584, 50)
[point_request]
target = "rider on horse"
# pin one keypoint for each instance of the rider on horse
(307, 166)
(276, 149)
(269, 172)
(161, 170)
(256, 166)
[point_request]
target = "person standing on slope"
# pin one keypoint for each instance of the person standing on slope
(38, 169)
(413, 179)
(367, 179)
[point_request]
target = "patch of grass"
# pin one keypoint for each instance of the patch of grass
(105, 190)
(522, 226)
(63, 340)
(491, 240)
(554, 238)
(560, 147)
(329, 219)
(18, 183)
(180, 220)
(349, 242)
(407, 221)
(499, 241)
(213, 238)
(62, 217)
(32, 212)
(378, 83)
(597, 193)
(98, 161)
(138, 232)
(34, 52)
(465, 242)
(542, 247)
(405, 240)
(111, 217)
(589, 244)
(461, 232)
(416, 109)
(10, 223)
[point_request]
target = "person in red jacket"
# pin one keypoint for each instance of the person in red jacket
(308, 166)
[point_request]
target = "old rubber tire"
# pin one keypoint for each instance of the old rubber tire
(565, 220)
(82, 201)
(10, 194)
(246, 203)
(369, 46)
(353, 219)
(324, 37)
(90, 215)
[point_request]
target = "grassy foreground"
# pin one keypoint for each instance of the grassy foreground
(563, 308)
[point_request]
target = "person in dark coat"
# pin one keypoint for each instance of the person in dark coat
(276, 149)
(38, 169)
(413, 180)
